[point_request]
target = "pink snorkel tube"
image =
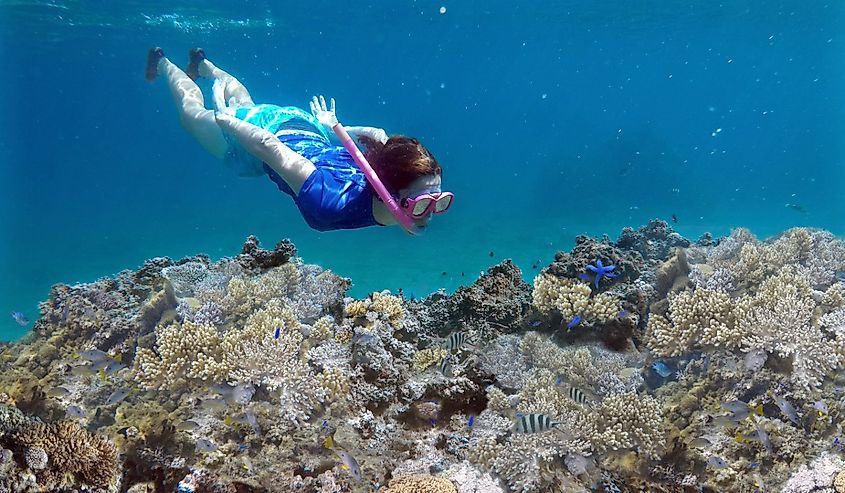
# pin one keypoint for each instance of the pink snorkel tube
(382, 192)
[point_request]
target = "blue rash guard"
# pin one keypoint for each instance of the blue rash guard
(336, 195)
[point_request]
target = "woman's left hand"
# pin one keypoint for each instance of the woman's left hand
(325, 115)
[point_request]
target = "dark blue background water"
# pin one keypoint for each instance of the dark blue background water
(550, 120)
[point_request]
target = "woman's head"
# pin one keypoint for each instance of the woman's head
(399, 162)
(405, 167)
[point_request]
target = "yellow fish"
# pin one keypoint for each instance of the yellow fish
(102, 374)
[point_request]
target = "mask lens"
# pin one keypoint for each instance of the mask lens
(421, 206)
(443, 203)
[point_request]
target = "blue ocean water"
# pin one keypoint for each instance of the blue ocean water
(550, 120)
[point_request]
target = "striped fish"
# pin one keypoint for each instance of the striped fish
(458, 339)
(576, 395)
(533, 423)
(446, 366)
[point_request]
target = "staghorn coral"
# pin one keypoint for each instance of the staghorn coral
(420, 484)
(89, 459)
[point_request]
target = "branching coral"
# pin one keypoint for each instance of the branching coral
(590, 368)
(530, 463)
(627, 421)
(181, 351)
(571, 298)
(696, 319)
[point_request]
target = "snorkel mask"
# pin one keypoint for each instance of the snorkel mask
(410, 208)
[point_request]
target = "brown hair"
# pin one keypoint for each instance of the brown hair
(399, 161)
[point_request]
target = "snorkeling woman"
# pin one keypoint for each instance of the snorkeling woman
(395, 180)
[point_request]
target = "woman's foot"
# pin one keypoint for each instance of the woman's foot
(153, 57)
(195, 56)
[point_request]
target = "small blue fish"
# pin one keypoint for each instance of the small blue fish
(558, 380)
(584, 277)
(575, 321)
(755, 465)
(534, 323)
(661, 369)
(471, 421)
(20, 318)
(623, 313)
(277, 333)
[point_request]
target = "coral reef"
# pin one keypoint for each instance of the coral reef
(711, 366)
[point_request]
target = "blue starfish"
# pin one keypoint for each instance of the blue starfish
(601, 271)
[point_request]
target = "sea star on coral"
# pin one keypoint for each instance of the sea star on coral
(601, 271)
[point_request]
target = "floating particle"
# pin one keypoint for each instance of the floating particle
(442, 10)
(544, 96)
(442, 85)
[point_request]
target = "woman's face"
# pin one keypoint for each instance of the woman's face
(423, 184)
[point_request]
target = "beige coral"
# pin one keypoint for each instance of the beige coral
(839, 482)
(427, 357)
(696, 318)
(389, 307)
(420, 483)
(323, 328)
(336, 383)
(626, 421)
(484, 451)
(570, 298)
(357, 308)
(181, 351)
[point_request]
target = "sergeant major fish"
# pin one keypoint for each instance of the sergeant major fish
(458, 339)
(533, 423)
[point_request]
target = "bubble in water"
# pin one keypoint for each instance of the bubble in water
(544, 96)
(442, 10)
(442, 85)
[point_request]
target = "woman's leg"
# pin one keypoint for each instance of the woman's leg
(234, 93)
(198, 121)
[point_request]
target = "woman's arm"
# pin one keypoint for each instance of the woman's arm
(292, 167)
(372, 132)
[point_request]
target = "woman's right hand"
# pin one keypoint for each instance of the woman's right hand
(325, 115)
